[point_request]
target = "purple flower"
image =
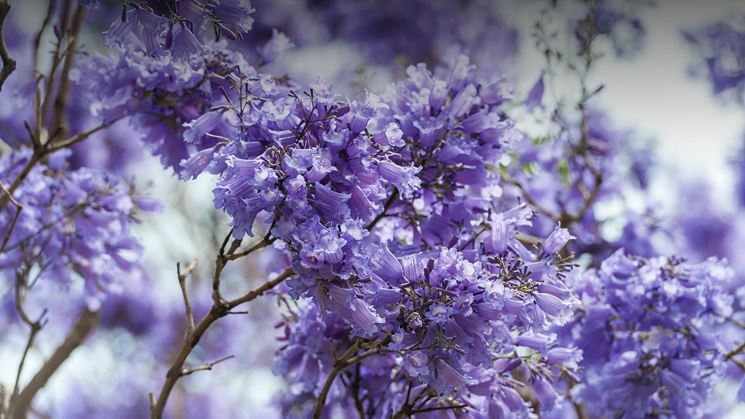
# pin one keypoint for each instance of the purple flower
(556, 241)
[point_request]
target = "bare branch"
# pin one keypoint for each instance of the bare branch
(80, 330)
(60, 103)
(524, 193)
(339, 366)
(435, 408)
(19, 208)
(205, 367)
(182, 283)
(35, 329)
(391, 200)
(45, 150)
(259, 291)
(3, 406)
(9, 64)
(266, 241)
(730, 355)
(218, 311)
(80, 137)
(37, 39)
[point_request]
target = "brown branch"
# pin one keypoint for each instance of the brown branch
(57, 56)
(218, 311)
(40, 153)
(435, 408)
(19, 208)
(524, 193)
(80, 330)
(355, 389)
(37, 38)
(185, 294)
(259, 291)
(266, 241)
(220, 262)
(9, 64)
(388, 204)
(35, 329)
(579, 410)
(35, 158)
(339, 365)
(729, 355)
(79, 137)
(3, 406)
(60, 103)
(738, 363)
(205, 367)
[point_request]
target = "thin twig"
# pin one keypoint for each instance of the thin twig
(218, 311)
(185, 294)
(35, 329)
(80, 137)
(339, 365)
(37, 38)
(40, 153)
(19, 208)
(35, 158)
(9, 64)
(729, 355)
(391, 200)
(57, 56)
(266, 241)
(204, 367)
(435, 408)
(80, 330)
(738, 363)
(524, 193)
(60, 103)
(220, 262)
(260, 290)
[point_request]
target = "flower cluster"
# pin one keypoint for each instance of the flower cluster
(400, 31)
(71, 223)
(564, 177)
(407, 262)
(179, 26)
(648, 332)
(720, 48)
(450, 333)
(163, 71)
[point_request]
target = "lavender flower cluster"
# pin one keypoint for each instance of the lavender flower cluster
(649, 335)
(387, 211)
(719, 47)
(69, 223)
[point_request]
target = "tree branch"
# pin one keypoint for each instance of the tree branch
(259, 291)
(35, 329)
(9, 64)
(40, 153)
(339, 365)
(204, 367)
(37, 38)
(388, 204)
(80, 330)
(185, 294)
(524, 193)
(218, 311)
(19, 208)
(60, 102)
(266, 241)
